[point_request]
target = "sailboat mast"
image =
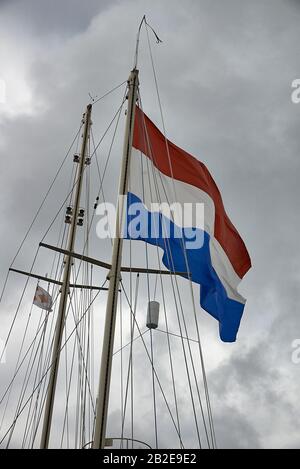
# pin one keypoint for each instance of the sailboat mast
(65, 287)
(114, 275)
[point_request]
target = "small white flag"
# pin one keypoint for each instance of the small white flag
(42, 299)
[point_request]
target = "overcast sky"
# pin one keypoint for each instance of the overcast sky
(225, 69)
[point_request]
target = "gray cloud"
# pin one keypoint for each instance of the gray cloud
(64, 18)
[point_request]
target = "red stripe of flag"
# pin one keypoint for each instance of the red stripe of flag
(184, 167)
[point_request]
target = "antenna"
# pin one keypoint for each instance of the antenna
(93, 98)
(158, 40)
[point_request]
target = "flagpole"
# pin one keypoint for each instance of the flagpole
(114, 275)
(65, 288)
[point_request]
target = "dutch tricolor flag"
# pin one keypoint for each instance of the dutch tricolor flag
(161, 172)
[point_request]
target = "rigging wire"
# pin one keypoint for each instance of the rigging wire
(68, 398)
(55, 291)
(168, 254)
(163, 296)
(72, 188)
(151, 334)
(101, 178)
(13, 321)
(176, 335)
(20, 352)
(29, 365)
(130, 362)
(26, 328)
(149, 357)
(75, 183)
(119, 110)
(35, 413)
(49, 357)
(95, 101)
(31, 419)
(121, 363)
(26, 235)
(46, 372)
(129, 343)
(209, 411)
(44, 199)
(18, 307)
(20, 365)
(81, 352)
(87, 405)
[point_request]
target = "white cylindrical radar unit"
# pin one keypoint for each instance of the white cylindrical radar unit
(152, 315)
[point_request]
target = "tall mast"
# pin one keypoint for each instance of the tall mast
(65, 287)
(114, 275)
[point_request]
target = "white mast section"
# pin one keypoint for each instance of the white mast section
(65, 288)
(114, 275)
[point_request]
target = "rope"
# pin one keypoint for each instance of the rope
(130, 360)
(184, 250)
(168, 253)
(95, 101)
(159, 264)
(149, 357)
(151, 334)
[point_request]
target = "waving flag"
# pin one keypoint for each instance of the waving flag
(42, 299)
(162, 172)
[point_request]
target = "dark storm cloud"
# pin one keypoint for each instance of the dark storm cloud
(44, 17)
(225, 71)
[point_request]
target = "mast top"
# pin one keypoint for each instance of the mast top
(158, 40)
